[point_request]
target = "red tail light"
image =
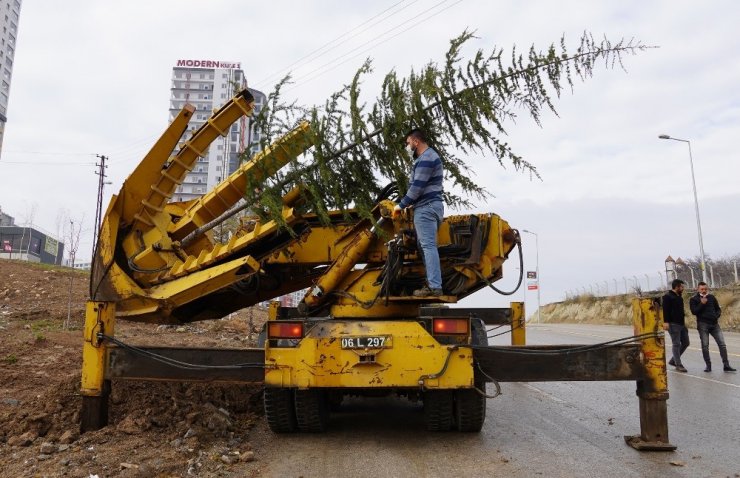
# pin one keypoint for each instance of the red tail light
(451, 326)
(285, 330)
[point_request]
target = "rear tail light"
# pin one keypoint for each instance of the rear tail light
(285, 330)
(451, 326)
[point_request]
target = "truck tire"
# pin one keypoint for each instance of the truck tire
(439, 410)
(280, 410)
(311, 410)
(470, 408)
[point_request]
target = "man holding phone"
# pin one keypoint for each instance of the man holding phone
(707, 311)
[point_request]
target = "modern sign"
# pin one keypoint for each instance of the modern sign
(531, 274)
(209, 64)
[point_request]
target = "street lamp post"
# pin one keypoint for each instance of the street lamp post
(537, 268)
(696, 205)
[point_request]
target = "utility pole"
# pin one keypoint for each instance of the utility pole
(99, 205)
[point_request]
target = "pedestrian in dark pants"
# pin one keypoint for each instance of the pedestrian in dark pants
(674, 322)
(707, 311)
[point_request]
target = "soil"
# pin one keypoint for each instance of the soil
(155, 428)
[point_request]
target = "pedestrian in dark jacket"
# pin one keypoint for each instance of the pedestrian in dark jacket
(707, 311)
(675, 323)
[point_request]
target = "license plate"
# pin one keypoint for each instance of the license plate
(367, 342)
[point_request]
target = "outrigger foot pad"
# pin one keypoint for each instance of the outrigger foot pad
(639, 444)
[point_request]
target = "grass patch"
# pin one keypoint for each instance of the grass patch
(49, 267)
(10, 359)
(44, 325)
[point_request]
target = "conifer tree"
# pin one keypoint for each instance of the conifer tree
(464, 106)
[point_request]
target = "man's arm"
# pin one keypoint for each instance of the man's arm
(695, 305)
(667, 312)
(716, 304)
(419, 179)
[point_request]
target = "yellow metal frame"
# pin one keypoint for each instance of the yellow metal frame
(518, 324)
(414, 359)
(100, 317)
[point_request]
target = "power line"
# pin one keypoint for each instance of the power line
(278, 72)
(47, 163)
(307, 78)
(49, 153)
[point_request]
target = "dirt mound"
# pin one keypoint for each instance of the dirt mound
(156, 429)
(38, 291)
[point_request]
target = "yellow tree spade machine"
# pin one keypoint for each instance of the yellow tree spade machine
(357, 331)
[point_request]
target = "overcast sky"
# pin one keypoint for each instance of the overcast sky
(614, 200)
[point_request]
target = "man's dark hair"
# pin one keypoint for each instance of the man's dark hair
(418, 134)
(701, 283)
(676, 282)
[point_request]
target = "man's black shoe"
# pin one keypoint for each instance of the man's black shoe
(671, 363)
(729, 369)
(427, 292)
(708, 369)
(681, 368)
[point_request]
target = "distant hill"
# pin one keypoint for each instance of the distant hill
(617, 310)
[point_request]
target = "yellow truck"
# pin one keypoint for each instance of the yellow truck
(357, 331)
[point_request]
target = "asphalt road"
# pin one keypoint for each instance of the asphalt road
(534, 429)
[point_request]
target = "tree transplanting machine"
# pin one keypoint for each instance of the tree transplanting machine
(358, 330)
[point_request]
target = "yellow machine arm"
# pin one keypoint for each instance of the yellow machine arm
(153, 261)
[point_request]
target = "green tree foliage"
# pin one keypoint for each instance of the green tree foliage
(464, 106)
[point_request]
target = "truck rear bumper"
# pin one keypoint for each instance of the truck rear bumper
(406, 356)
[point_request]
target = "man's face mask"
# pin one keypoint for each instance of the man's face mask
(410, 150)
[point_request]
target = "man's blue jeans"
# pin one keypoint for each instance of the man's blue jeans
(680, 340)
(427, 219)
(712, 329)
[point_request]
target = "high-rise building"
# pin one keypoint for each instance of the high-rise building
(207, 85)
(10, 9)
